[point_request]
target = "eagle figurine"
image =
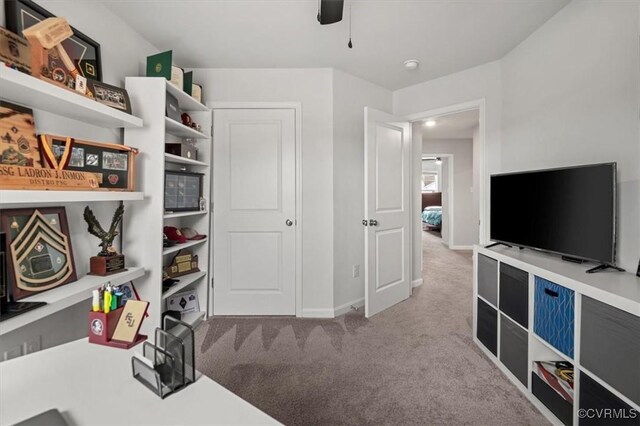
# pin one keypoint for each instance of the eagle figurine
(95, 229)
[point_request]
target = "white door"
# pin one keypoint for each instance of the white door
(254, 224)
(387, 211)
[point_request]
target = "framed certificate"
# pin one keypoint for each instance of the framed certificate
(40, 256)
(182, 191)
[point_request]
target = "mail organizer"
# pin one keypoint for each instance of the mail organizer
(168, 365)
(103, 327)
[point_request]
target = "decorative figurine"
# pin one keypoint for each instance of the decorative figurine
(108, 261)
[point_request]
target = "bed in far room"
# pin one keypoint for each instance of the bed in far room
(432, 211)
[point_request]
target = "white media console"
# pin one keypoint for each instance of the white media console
(531, 306)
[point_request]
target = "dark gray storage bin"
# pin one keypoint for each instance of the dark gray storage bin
(560, 407)
(514, 294)
(514, 346)
(595, 399)
(488, 326)
(610, 346)
(488, 279)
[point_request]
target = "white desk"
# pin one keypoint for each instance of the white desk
(85, 381)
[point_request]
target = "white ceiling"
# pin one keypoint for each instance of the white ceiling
(446, 36)
(453, 126)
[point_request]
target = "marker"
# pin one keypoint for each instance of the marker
(107, 302)
(114, 301)
(96, 301)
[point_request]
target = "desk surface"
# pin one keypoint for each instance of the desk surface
(72, 379)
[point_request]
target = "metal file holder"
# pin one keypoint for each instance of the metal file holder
(172, 357)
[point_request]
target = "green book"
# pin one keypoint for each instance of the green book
(187, 82)
(160, 65)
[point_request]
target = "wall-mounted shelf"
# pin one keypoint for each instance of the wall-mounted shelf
(67, 295)
(185, 281)
(9, 196)
(31, 92)
(176, 159)
(186, 102)
(180, 130)
(179, 247)
(184, 214)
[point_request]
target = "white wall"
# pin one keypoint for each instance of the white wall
(571, 96)
(482, 82)
(465, 231)
(350, 96)
(313, 88)
(119, 59)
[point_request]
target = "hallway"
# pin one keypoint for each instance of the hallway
(415, 363)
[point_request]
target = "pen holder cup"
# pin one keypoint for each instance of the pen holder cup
(102, 326)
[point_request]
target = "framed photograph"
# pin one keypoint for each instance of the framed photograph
(182, 191)
(40, 256)
(109, 95)
(185, 302)
(83, 51)
(112, 165)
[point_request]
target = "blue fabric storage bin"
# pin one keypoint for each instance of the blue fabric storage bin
(554, 308)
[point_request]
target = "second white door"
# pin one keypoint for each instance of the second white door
(254, 212)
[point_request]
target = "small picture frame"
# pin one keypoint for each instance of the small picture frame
(112, 96)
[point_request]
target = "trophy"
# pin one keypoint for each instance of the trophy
(108, 261)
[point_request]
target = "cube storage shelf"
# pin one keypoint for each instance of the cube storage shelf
(148, 98)
(531, 306)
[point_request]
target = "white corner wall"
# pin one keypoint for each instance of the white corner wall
(313, 88)
(119, 59)
(464, 230)
(482, 82)
(571, 95)
(350, 96)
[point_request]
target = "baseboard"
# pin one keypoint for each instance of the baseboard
(317, 313)
(461, 247)
(417, 283)
(343, 309)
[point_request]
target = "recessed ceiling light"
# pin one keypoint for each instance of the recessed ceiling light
(411, 64)
(430, 123)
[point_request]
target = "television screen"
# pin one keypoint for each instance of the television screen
(569, 211)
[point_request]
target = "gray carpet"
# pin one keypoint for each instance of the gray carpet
(413, 364)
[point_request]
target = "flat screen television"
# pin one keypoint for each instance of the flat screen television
(569, 211)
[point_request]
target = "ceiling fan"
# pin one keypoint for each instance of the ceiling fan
(330, 12)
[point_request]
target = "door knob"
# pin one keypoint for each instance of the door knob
(373, 222)
(288, 222)
(365, 222)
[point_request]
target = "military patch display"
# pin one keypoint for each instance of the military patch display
(18, 142)
(39, 249)
(113, 165)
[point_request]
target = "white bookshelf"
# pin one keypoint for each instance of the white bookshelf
(176, 159)
(148, 97)
(31, 92)
(67, 295)
(10, 197)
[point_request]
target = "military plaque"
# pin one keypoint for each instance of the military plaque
(41, 257)
(108, 261)
(18, 142)
(183, 263)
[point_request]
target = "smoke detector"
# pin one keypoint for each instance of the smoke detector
(411, 64)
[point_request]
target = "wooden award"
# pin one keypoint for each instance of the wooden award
(183, 263)
(108, 261)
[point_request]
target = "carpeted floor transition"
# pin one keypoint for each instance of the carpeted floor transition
(413, 364)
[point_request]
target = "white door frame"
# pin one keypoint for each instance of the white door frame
(483, 184)
(297, 107)
(450, 192)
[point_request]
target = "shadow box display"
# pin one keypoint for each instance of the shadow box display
(182, 191)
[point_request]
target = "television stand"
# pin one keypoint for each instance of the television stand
(602, 267)
(572, 259)
(498, 244)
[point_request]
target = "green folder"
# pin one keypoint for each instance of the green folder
(187, 82)
(160, 65)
